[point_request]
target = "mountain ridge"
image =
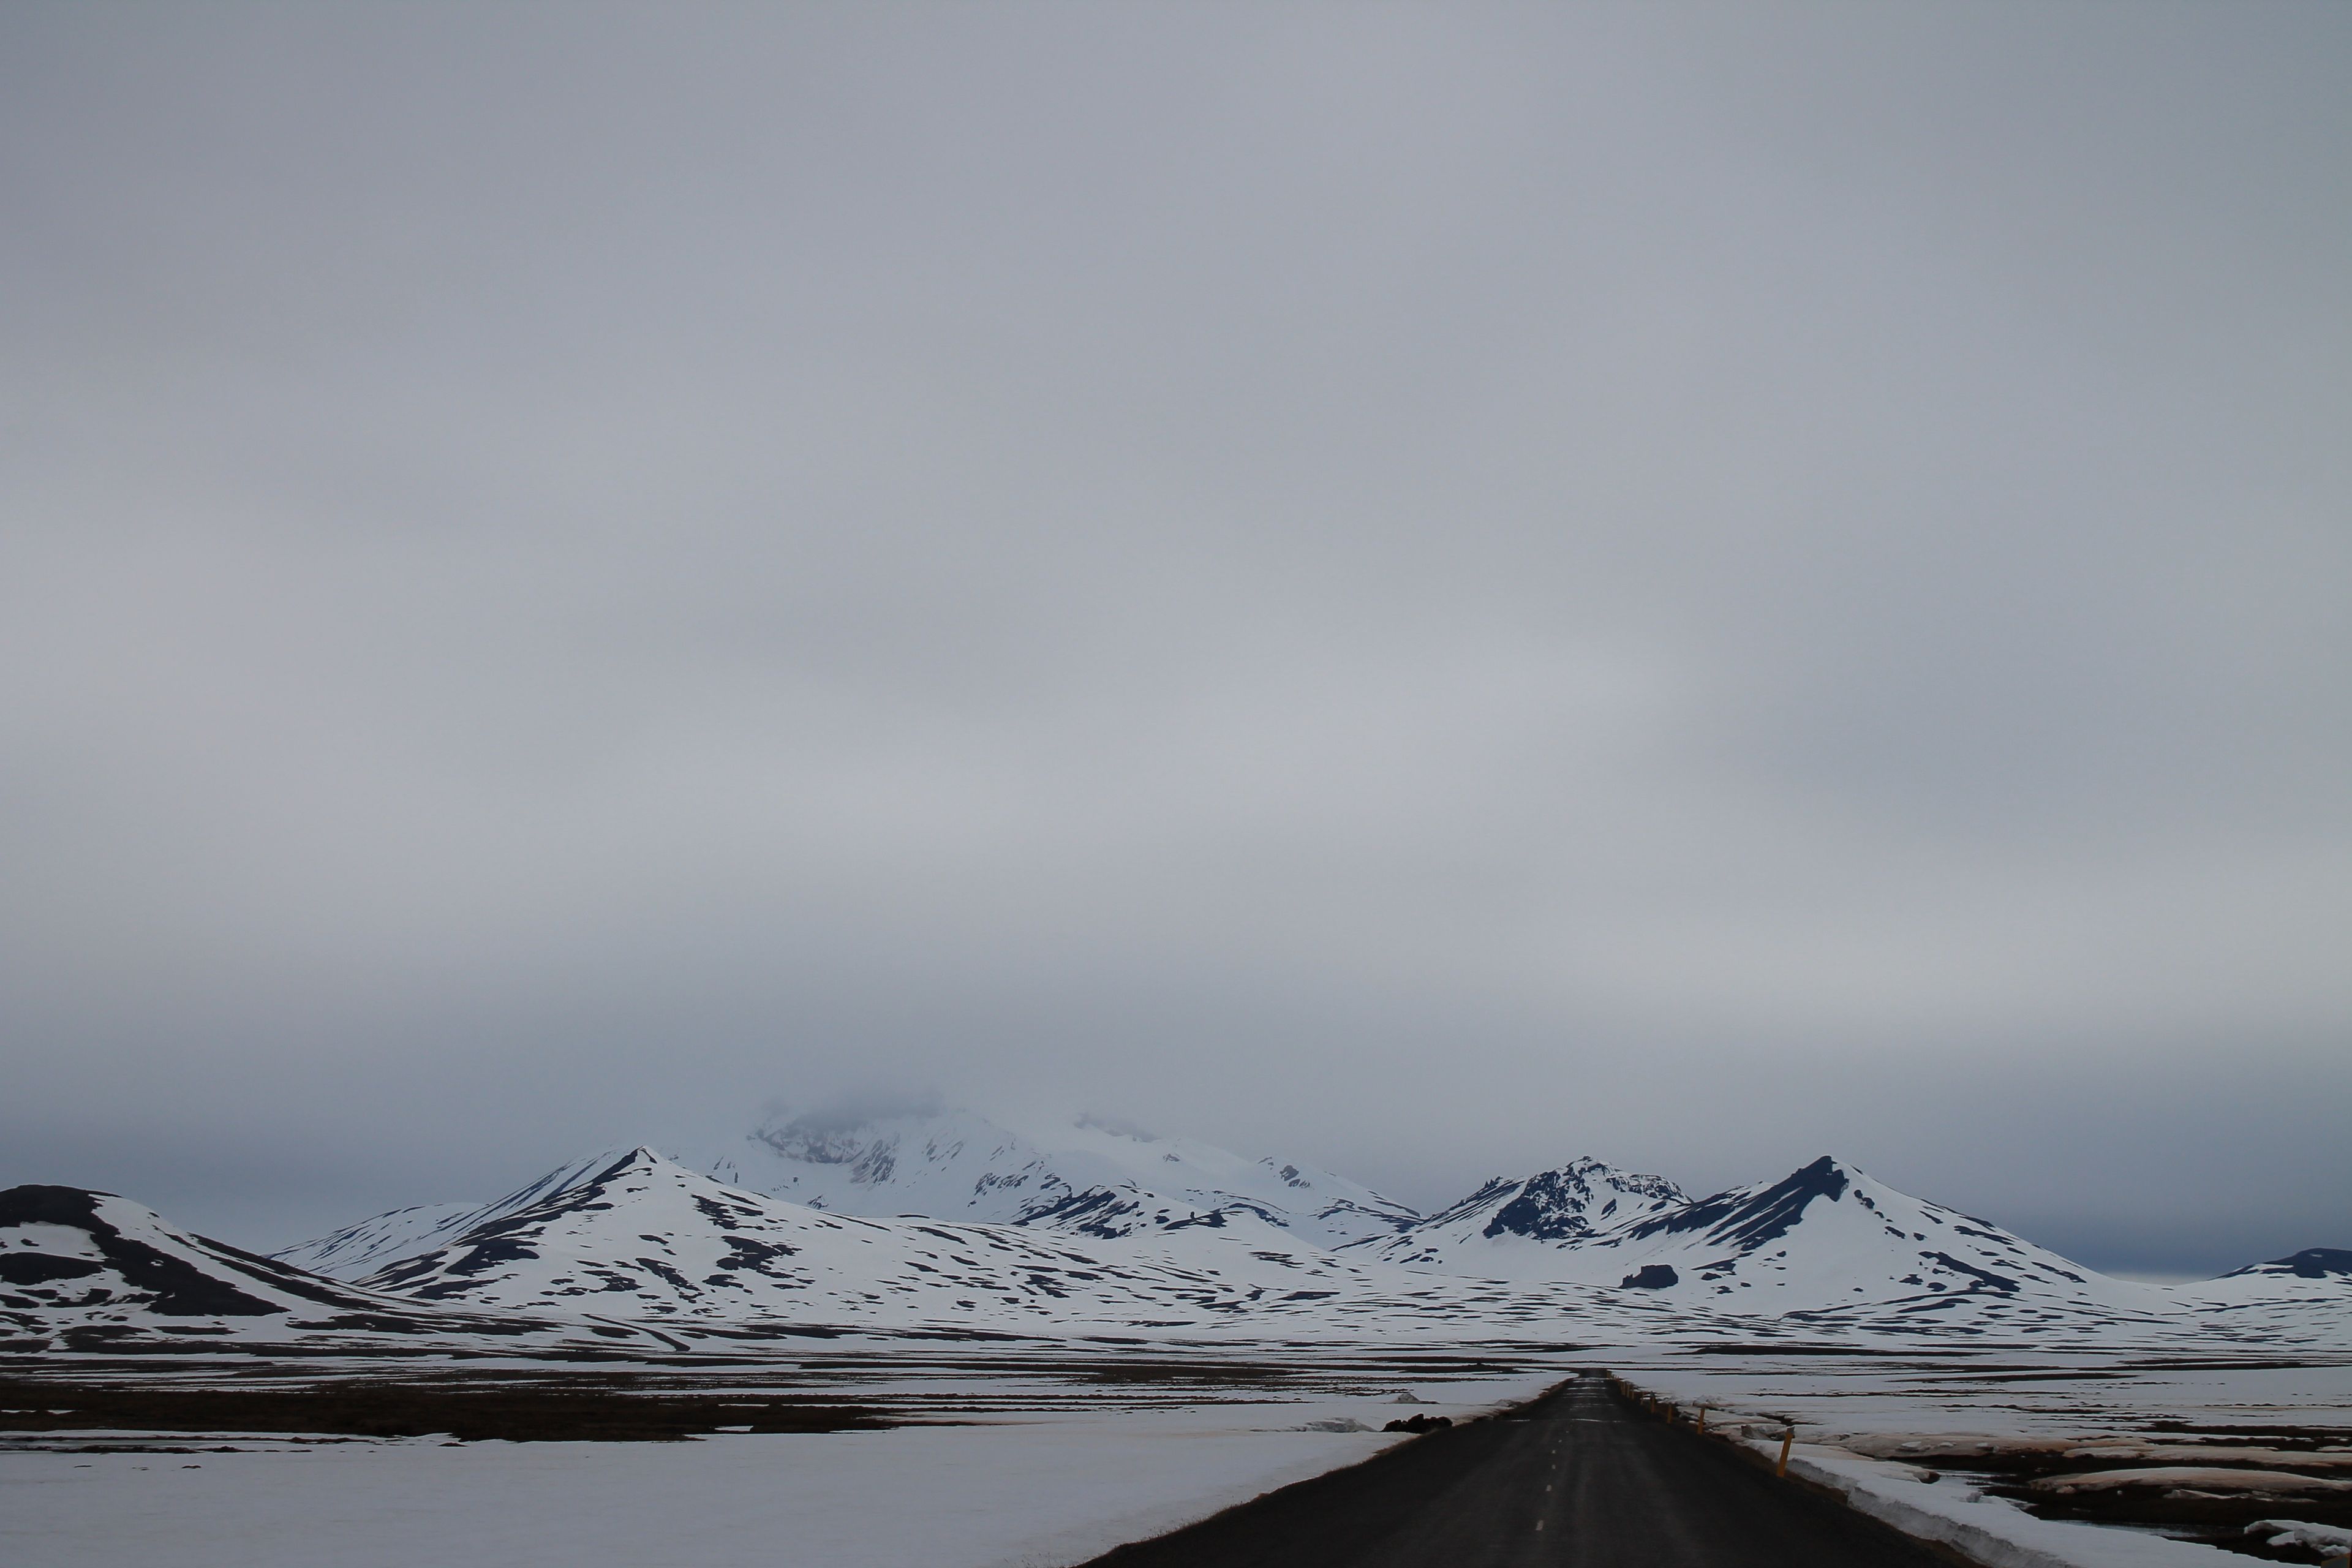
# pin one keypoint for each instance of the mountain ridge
(631, 1252)
(1088, 1174)
(1811, 1240)
(1822, 1238)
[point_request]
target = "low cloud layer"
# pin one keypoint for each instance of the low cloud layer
(1430, 590)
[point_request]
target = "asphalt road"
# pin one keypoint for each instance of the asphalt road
(1577, 1477)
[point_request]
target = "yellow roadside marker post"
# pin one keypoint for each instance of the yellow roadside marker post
(1702, 1418)
(1786, 1438)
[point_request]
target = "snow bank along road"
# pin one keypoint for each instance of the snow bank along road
(1574, 1479)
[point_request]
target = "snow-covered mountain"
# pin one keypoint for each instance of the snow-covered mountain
(630, 1252)
(2327, 1263)
(82, 1270)
(1824, 1239)
(1535, 1215)
(2305, 1296)
(947, 1219)
(1149, 1226)
(358, 1250)
(647, 1242)
(1086, 1176)
(1828, 1235)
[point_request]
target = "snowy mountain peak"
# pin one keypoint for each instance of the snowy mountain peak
(1746, 1218)
(1091, 1175)
(484, 1252)
(358, 1250)
(1827, 1237)
(1579, 1200)
(1568, 1206)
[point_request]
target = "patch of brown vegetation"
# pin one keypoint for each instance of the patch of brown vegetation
(382, 1409)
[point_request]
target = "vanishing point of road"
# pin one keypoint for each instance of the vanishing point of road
(1574, 1479)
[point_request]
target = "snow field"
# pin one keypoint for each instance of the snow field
(1016, 1491)
(1854, 1418)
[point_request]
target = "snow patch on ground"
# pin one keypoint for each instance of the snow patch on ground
(1865, 1426)
(1988, 1530)
(2297, 1532)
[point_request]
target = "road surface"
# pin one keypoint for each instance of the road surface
(1575, 1479)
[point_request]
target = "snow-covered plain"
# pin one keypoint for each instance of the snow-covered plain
(1041, 1462)
(1047, 1493)
(1031, 1479)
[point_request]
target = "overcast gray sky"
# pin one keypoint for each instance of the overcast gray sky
(1428, 588)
